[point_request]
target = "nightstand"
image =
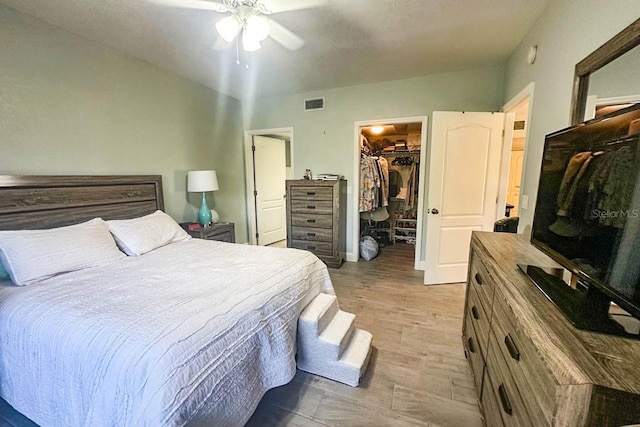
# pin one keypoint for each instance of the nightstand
(222, 232)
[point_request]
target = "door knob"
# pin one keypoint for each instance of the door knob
(435, 211)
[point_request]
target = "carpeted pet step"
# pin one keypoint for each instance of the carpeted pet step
(319, 313)
(328, 343)
(358, 351)
(337, 334)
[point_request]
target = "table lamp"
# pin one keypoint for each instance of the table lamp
(203, 181)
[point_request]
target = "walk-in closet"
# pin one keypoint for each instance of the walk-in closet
(389, 189)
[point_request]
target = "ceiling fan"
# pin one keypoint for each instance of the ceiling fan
(248, 19)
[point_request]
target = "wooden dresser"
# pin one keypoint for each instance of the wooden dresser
(316, 218)
(531, 367)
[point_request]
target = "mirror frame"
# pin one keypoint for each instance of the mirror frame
(620, 44)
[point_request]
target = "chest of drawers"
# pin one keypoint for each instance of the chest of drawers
(531, 367)
(316, 216)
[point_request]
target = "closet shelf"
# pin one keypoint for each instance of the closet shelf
(404, 229)
(403, 152)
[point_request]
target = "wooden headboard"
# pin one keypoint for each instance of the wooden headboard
(38, 202)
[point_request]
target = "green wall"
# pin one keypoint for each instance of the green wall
(324, 140)
(567, 32)
(71, 106)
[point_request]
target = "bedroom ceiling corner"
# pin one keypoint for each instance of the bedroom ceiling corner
(345, 43)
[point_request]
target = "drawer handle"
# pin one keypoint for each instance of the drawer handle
(311, 193)
(311, 234)
(311, 220)
(504, 399)
(474, 311)
(311, 207)
(472, 346)
(478, 278)
(311, 248)
(511, 346)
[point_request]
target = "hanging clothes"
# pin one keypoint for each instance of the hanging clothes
(591, 184)
(411, 187)
(374, 183)
(384, 180)
(416, 185)
(369, 184)
(564, 225)
(597, 181)
(379, 200)
(575, 170)
(618, 188)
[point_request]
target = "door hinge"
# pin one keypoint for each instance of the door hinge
(255, 193)
(503, 133)
(257, 235)
(253, 148)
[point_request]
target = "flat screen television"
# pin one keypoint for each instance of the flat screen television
(587, 218)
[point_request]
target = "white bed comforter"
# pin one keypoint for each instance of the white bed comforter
(192, 333)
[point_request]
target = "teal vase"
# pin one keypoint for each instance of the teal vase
(204, 214)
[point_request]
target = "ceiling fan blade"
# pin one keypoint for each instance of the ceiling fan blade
(277, 6)
(285, 37)
(193, 4)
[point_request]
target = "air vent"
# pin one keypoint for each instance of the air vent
(518, 125)
(314, 104)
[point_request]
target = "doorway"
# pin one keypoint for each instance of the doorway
(517, 123)
(391, 157)
(516, 157)
(268, 164)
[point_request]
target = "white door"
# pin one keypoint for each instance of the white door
(270, 175)
(464, 173)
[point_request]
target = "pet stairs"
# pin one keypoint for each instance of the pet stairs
(328, 343)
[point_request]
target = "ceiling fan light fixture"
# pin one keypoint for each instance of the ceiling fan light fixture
(228, 27)
(249, 44)
(257, 27)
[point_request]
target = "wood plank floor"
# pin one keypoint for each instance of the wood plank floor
(417, 376)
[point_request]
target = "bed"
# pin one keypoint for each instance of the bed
(191, 333)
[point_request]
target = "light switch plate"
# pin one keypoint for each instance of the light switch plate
(525, 202)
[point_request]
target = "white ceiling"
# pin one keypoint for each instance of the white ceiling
(348, 42)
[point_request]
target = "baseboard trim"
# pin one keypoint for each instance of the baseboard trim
(352, 257)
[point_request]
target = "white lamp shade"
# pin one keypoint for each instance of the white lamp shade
(249, 44)
(257, 28)
(199, 181)
(228, 27)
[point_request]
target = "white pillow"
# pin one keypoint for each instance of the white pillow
(33, 255)
(141, 235)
